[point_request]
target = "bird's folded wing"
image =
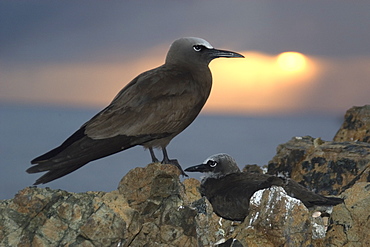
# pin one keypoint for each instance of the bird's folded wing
(154, 102)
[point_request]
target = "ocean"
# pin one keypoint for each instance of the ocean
(27, 131)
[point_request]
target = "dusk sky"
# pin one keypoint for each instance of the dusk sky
(306, 63)
(81, 53)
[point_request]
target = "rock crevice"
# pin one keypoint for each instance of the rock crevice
(152, 207)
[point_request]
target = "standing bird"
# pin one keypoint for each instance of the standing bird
(229, 190)
(150, 110)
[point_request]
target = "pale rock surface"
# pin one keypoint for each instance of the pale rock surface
(152, 207)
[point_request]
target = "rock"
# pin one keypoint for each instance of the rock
(45, 217)
(350, 222)
(191, 190)
(252, 169)
(323, 167)
(154, 182)
(356, 125)
(157, 194)
(152, 207)
(231, 242)
(125, 217)
(168, 213)
(276, 219)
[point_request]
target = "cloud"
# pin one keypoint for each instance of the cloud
(342, 84)
(82, 54)
(74, 84)
(327, 85)
(60, 31)
(254, 85)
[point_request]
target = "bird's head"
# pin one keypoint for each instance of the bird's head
(195, 51)
(217, 165)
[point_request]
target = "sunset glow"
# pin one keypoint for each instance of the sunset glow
(292, 61)
(260, 83)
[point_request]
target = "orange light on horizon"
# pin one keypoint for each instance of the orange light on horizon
(260, 83)
(292, 61)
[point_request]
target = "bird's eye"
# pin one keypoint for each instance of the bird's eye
(212, 163)
(198, 48)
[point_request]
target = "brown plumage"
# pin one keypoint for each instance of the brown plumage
(151, 110)
(229, 190)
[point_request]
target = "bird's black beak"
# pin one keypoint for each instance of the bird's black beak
(198, 168)
(222, 53)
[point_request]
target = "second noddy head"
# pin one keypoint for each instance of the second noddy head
(195, 51)
(217, 165)
(229, 190)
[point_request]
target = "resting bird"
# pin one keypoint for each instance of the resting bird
(229, 190)
(152, 109)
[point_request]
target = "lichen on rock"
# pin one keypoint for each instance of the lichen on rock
(152, 207)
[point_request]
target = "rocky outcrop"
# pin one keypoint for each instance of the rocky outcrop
(167, 213)
(152, 207)
(150, 210)
(339, 167)
(157, 196)
(356, 125)
(322, 166)
(45, 217)
(350, 222)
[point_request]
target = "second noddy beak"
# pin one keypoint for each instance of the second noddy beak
(222, 53)
(198, 168)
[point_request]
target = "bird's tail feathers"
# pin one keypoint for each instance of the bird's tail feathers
(75, 137)
(81, 151)
(75, 156)
(327, 201)
(53, 174)
(53, 164)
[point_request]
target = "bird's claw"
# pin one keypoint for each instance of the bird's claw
(175, 163)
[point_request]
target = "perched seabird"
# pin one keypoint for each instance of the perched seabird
(229, 190)
(150, 110)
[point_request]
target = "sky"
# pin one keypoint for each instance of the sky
(81, 53)
(306, 63)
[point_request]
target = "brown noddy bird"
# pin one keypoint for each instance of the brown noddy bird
(150, 110)
(229, 190)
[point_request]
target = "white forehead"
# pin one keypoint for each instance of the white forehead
(199, 41)
(215, 157)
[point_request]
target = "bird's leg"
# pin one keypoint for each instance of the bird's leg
(166, 160)
(154, 159)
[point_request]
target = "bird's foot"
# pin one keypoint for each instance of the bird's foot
(176, 163)
(155, 160)
(152, 155)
